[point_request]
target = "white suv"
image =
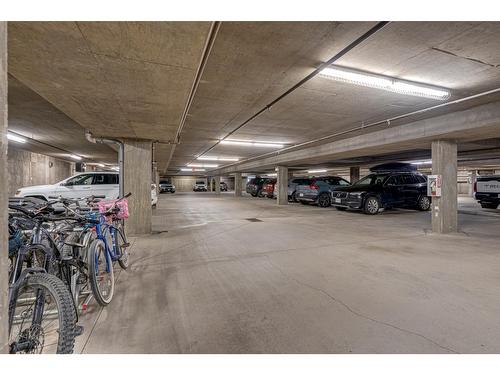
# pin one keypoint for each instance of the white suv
(81, 185)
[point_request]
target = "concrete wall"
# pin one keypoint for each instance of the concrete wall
(185, 183)
(4, 258)
(26, 169)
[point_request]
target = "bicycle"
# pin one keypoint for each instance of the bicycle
(41, 317)
(109, 246)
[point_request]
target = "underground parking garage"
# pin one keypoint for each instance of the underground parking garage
(250, 187)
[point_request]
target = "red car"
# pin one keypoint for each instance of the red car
(268, 189)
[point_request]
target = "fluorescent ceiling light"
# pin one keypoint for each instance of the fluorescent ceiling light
(384, 83)
(216, 158)
(115, 168)
(422, 162)
(251, 143)
(15, 138)
(101, 165)
(194, 165)
(271, 174)
(192, 170)
(317, 171)
(76, 157)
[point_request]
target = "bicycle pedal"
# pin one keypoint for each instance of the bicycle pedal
(78, 330)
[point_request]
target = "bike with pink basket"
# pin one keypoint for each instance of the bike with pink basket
(109, 246)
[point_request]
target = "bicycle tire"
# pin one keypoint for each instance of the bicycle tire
(103, 298)
(121, 238)
(64, 302)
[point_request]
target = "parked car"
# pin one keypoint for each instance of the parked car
(81, 185)
(154, 196)
(223, 186)
(380, 190)
(200, 186)
(103, 184)
(292, 187)
(487, 191)
(254, 186)
(166, 187)
(268, 188)
(318, 190)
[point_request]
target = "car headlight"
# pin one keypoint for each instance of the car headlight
(355, 195)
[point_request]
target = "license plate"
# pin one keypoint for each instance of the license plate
(338, 200)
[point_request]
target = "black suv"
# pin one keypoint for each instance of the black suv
(385, 189)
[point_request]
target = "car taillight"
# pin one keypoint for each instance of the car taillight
(475, 187)
(313, 187)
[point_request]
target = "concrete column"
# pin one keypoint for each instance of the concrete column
(282, 185)
(444, 208)
(473, 177)
(4, 233)
(238, 186)
(217, 185)
(137, 180)
(354, 171)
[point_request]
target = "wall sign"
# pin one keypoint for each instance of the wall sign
(434, 185)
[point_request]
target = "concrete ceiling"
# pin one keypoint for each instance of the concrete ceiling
(48, 130)
(118, 79)
(133, 79)
(460, 56)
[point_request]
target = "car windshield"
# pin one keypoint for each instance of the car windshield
(372, 179)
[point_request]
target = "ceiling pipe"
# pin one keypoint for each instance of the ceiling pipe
(121, 155)
(344, 51)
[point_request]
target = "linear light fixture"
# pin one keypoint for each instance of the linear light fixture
(216, 158)
(193, 170)
(377, 81)
(115, 168)
(271, 174)
(195, 165)
(422, 162)
(317, 171)
(15, 138)
(76, 157)
(101, 165)
(251, 143)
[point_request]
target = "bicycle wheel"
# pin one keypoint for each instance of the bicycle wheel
(101, 275)
(42, 317)
(121, 240)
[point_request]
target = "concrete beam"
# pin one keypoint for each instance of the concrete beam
(282, 185)
(238, 184)
(444, 208)
(4, 233)
(480, 122)
(137, 180)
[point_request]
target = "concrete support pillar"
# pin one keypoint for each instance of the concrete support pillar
(444, 208)
(4, 233)
(137, 180)
(282, 185)
(217, 185)
(354, 171)
(473, 177)
(238, 184)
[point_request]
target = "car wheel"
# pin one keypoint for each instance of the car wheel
(293, 198)
(489, 205)
(371, 206)
(424, 203)
(341, 208)
(324, 200)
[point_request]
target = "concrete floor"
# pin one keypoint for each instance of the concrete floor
(301, 280)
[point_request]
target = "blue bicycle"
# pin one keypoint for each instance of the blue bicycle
(109, 246)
